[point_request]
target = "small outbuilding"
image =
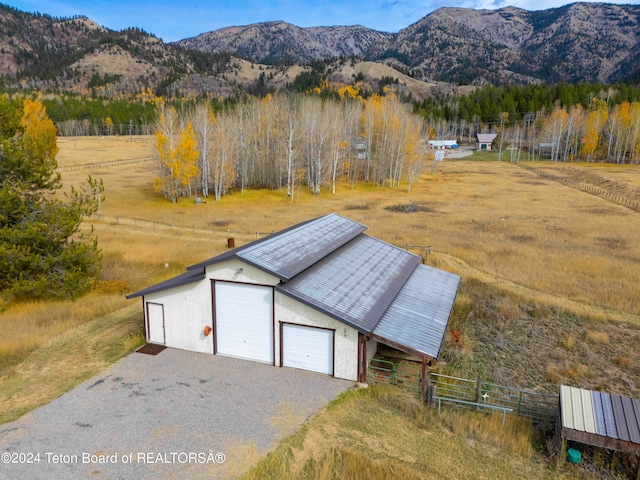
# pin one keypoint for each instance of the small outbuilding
(484, 141)
(599, 419)
(317, 296)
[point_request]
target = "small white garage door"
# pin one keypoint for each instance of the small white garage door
(307, 348)
(244, 321)
(155, 323)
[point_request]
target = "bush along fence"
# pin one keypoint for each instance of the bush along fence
(585, 187)
(541, 408)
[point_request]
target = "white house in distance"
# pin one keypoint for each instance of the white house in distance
(442, 144)
(484, 140)
(317, 296)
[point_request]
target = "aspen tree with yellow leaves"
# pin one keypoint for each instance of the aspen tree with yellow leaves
(42, 252)
(554, 128)
(594, 124)
(178, 153)
(39, 131)
(634, 128)
(621, 133)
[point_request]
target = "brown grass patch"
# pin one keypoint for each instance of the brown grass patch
(624, 361)
(540, 348)
(597, 336)
(577, 371)
(569, 343)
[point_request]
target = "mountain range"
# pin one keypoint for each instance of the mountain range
(589, 42)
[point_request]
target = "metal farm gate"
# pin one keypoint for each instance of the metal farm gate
(541, 408)
(402, 374)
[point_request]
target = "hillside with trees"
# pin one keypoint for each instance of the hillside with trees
(580, 42)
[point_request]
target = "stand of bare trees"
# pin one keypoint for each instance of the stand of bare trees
(286, 141)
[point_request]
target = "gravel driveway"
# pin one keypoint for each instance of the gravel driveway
(175, 415)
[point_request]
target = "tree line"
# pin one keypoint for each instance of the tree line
(286, 141)
(487, 104)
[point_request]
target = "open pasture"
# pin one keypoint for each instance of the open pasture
(502, 220)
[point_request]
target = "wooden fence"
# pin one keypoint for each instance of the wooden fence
(585, 187)
(115, 163)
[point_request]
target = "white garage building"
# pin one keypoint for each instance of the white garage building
(317, 296)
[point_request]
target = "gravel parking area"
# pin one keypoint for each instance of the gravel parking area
(174, 415)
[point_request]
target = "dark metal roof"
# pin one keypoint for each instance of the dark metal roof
(289, 253)
(190, 276)
(418, 316)
(600, 413)
(234, 253)
(282, 254)
(355, 283)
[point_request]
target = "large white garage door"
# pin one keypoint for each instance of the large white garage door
(307, 348)
(244, 321)
(155, 323)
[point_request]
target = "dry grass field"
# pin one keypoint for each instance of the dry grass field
(502, 220)
(385, 434)
(549, 293)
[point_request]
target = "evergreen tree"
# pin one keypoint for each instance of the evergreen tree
(42, 253)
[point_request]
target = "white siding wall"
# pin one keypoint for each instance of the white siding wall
(187, 310)
(249, 274)
(346, 338)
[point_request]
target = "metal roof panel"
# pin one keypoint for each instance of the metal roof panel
(419, 314)
(355, 283)
(636, 416)
(619, 417)
(605, 424)
(587, 411)
(632, 419)
(614, 416)
(486, 137)
(566, 406)
(288, 253)
(576, 405)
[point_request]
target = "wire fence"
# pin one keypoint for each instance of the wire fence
(153, 225)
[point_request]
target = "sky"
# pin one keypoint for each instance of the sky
(173, 20)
